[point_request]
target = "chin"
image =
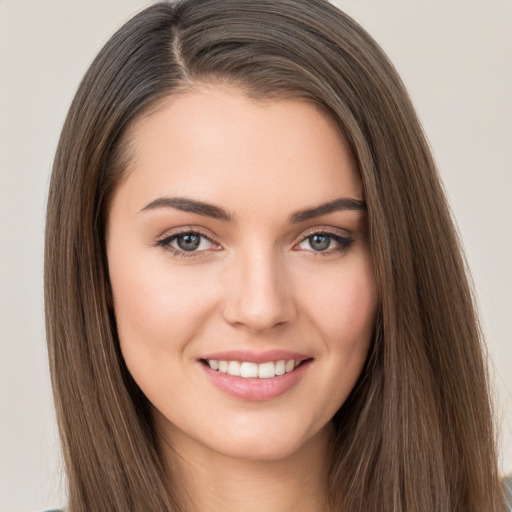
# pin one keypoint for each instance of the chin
(270, 445)
(260, 450)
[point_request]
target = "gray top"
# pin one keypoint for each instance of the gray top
(508, 491)
(507, 482)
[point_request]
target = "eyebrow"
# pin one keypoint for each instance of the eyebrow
(191, 205)
(342, 203)
(216, 212)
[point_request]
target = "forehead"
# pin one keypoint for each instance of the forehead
(217, 144)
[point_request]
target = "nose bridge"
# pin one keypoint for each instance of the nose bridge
(261, 295)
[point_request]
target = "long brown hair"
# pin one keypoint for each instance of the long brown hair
(416, 433)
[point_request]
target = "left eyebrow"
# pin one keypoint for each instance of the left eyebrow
(343, 203)
(192, 206)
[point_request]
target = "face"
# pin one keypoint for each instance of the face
(243, 288)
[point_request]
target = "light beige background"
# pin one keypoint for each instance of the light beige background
(455, 58)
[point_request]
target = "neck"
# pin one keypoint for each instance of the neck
(208, 481)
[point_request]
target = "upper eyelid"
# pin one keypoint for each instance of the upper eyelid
(207, 234)
(345, 240)
(329, 230)
(341, 236)
(326, 230)
(183, 231)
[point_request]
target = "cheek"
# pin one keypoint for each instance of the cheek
(344, 306)
(157, 308)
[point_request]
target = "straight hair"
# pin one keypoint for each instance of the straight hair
(416, 433)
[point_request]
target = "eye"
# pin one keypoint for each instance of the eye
(187, 243)
(324, 242)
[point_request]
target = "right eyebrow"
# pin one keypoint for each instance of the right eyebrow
(191, 205)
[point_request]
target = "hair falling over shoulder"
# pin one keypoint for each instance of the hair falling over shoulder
(416, 433)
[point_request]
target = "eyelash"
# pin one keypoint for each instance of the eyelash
(344, 242)
(166, 241)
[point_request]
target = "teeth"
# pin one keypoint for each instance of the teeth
(280, 367)
(248, 370)
(266, 370)
(234, 368)
(253, 370)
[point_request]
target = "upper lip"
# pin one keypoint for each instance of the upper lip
(251, 356)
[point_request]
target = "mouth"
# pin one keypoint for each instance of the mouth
(251, 370)
(255, 376)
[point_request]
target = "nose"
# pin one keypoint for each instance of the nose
(260, 294)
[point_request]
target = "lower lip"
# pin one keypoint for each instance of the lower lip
(254, 389)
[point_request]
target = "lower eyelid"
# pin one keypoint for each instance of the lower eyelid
(343, 241)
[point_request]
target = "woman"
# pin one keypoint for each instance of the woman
(255, 296)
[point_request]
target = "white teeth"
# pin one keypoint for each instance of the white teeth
(280, 367)
(253, 370)
(290, 365)
(234, 368)
(248, 370)
(266, 370)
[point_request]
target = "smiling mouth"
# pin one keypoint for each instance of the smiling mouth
(250, 370)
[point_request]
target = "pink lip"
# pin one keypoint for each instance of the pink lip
(256, 357)
(253, 389)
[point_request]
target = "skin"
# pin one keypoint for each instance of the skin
(259, 285)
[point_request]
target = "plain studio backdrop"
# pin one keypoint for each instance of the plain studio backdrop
(455, 59)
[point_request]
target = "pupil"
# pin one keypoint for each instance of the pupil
(319, 242)
(188, 242)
